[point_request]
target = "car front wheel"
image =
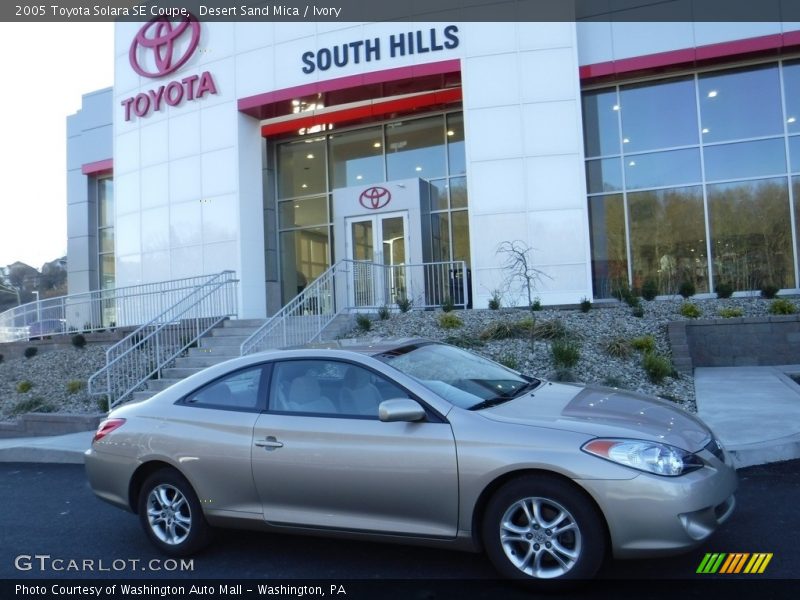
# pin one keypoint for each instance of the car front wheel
(542, 528)
(170, 514)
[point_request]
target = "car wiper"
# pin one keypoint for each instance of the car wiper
(531, 385)
(489, 402)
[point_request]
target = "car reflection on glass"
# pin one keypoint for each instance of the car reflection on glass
(419, 441)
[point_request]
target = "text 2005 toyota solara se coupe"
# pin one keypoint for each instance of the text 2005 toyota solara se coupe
(420, 442)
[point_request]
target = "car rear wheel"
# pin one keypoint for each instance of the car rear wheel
(542, 528)
(170, 514)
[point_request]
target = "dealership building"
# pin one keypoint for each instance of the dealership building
(619, 153)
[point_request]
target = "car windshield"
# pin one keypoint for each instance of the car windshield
(460, 377)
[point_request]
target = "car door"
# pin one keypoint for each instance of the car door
(322, 460)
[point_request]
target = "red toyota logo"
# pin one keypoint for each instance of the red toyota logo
(375, 197)
(160, 37)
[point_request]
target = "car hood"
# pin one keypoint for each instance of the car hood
(604, 412)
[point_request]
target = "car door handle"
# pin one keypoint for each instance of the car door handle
(269, 444)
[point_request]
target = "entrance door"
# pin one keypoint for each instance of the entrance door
(378, 244)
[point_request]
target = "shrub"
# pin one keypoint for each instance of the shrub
(363, 322)
(102, 403)
(656, 366)
(24, 386)
(649, 289)
(638, 312)
(525, 327)
(499, 330)
(782, 306)
(687, 289)
(536, 305)
(35, 404)
(563, 375)
(618, 348)
(586, 305)
(31, 351)
(75, 385)
(769, 291)
(463, 341)
(509, 360)
(449, 321)
(550, 330)
(79, 341)
(448, 305)
(494, 301)
(690, 311)
(724, 290)
(730, 313)
(645, 343)
(383, 312)
(565, 353)
(404, 304)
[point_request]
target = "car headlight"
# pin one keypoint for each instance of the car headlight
(651, 457)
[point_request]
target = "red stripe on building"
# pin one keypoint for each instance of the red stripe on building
(100, 167)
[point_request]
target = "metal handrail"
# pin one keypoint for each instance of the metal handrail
(151, 347)
(95, 310)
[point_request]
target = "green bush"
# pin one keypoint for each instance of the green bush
(536, 305)
(24, 386)
(78, 340)
(586, 305)
(724, 290)
(550, 330)
(102, 403)
(690, 311)
(769, 291)
(30, 351)
(645, 343)
(525, 327)
(565, 353)
(638, 312)
(687, 289)
(464, 341)
(448, 305)
(494, 301)
(649, 289)
(656, 366)
(499, 330)
(383, 312)
(75, 385)
(782, 306)
(563, 375)
(449, 321)
(618, 348)
(509, 360)
(730, 313)
(28, 405)
(363, 322)
(404, 304)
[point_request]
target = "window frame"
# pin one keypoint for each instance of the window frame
(261, 403)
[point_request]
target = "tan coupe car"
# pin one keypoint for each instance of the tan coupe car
(419, 442)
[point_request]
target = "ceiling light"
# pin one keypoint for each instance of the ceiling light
(450, 132)
(625, 140)
(309, 156)
(297, 206)
(706, 130)
(712, 94)
(791, 120)
(615, 107)
(359, 177)
(632, 163)
(376, 145)
(295, 102)
(418, 169)
(304, 186)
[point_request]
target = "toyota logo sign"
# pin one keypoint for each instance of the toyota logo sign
(375, 197)
(159, 45)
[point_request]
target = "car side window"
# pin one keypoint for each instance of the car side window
(238, 390)
(329, 387)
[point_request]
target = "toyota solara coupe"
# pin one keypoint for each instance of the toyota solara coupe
(418, 442)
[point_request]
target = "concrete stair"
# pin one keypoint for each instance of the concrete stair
(223, 343)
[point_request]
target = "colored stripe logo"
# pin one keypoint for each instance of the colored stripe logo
(735, 563)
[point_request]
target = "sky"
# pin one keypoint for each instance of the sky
(45, 68)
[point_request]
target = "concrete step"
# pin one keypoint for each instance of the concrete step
(201, 361)
(220, 332)
(143, 395)
(243, 323)
(180, 372)
(217, 342)
(227, 350)
(158, 385)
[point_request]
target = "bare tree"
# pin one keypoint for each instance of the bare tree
(518, 264)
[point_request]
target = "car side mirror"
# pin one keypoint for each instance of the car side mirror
(401, 409)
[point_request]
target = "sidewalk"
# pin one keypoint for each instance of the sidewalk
(755, 412)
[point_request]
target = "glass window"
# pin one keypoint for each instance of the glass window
(107, 239)
(107, 271)
(300, 213)
(458, 192)
(461, 236)
(301, 168)
(438, 192)
(791, 87)
(356, 157)
(751, 237)
(609, 256)
(304, 256)
(415, 149)
(604, 175)
(601, 123)
(659, 169)
(740, 103)
(457, 162)
(745, 159)
(794, 154)
(237, 390)
(668, 238)
(658, 115)
(440, 236)
(329, 387)
(105, 202)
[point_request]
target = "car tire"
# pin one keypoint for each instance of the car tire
(538, 528)
(171, 515)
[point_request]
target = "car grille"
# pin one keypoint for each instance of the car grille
(716, 449)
